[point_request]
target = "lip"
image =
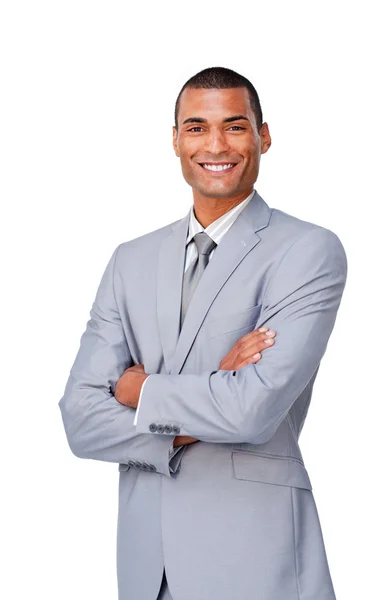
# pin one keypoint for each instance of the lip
(217, 173)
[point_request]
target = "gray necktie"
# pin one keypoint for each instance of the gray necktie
(194, 272)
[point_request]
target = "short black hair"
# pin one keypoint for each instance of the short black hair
(221, 78)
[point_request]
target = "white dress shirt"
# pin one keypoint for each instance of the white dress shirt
(216, 230)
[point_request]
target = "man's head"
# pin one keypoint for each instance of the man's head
(219, 122)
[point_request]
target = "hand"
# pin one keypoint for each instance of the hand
(247, 349)
(181, 440)
(129, 386)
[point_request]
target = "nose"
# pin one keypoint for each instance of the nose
(216, 142)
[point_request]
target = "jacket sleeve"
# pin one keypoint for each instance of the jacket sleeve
(97, 426)
(248, 405)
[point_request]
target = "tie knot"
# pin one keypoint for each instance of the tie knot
(204, 243)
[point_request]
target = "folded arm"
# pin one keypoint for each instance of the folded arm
(248, 405)
(97, 426)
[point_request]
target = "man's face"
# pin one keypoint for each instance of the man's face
(218, 142)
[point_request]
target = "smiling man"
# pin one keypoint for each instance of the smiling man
(219, 137)
(196, 370)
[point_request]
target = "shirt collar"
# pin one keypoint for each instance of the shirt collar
(212, 229)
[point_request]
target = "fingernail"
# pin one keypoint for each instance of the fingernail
(270, 332)
(256, 355)
(270, 341)
(262, 329)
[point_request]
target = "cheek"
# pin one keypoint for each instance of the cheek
(189, 169)
(248, 150)
(189, 148)
(251, 159)
(187, 163)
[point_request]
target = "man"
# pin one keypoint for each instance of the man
(170, 380)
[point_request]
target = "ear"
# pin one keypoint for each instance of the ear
(266, 139)
(175, 140)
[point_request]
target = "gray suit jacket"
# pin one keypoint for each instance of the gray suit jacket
(237, 519)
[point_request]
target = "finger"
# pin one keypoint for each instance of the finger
(250, 360)
(248, 345)
(252, 348)
(258, 331)
(257, 334)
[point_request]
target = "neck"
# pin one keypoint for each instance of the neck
(207, 209)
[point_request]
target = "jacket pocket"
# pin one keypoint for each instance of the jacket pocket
(277, 471)
(233, 322)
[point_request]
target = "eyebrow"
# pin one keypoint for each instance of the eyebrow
(227, 120)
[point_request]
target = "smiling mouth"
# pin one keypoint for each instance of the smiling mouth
(218, 167)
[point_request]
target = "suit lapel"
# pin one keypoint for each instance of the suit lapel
(240, 239)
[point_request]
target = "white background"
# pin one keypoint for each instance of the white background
(87, 100)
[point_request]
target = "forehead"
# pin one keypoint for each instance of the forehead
(214, 104)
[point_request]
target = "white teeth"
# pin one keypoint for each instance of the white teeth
(218, 167)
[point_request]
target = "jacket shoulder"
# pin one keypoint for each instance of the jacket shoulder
(289, 228)
(144, 246)
(150, 239)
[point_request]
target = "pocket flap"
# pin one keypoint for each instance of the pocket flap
(233, 321)
(277, 470)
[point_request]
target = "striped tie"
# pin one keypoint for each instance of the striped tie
(194, 272)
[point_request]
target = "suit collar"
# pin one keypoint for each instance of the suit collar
(240, 239)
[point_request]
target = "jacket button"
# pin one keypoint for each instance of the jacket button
(152, 468)
(131, 463)
(167, 429)
(160, 428)
(176, 429)
(145, 466)
(138, 464)
(153, 427)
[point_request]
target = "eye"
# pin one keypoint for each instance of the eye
(193, 128)
(237, 127)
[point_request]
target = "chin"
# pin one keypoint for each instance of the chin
(216, 191)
